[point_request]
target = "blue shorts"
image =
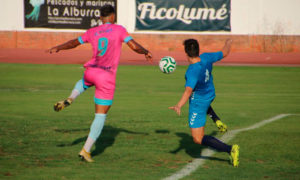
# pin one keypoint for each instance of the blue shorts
(198, 110)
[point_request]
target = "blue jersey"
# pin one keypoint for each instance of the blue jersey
(198, 76)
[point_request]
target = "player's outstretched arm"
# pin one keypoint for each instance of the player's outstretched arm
(185, 96)
(68, 45)
(227, 47)
(140, 49)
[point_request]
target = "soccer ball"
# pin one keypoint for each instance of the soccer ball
(167, 64)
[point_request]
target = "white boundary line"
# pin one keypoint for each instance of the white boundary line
(191, 167)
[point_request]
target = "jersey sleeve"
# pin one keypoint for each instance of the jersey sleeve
(214, 57)
(125, 37)
(191, 79)
(84, 38)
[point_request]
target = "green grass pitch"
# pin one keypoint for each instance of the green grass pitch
(142, 138)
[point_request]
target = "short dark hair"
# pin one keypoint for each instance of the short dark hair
(191, 47)
(107, 10)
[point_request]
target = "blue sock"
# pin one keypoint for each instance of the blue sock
(215, 144)
(97, 126)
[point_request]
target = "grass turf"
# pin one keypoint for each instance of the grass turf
(142, 139)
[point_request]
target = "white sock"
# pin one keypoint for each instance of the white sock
(75, 93)
(88, 144)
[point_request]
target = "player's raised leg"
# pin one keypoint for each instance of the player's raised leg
(221, 126)
(79, 88)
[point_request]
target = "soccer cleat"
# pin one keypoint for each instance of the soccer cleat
(85, 155)
(234, 155)
(60, 105)
(221, 126)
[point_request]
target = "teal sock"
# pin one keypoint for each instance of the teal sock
(79, 86)
(97, 126)
(78, 89)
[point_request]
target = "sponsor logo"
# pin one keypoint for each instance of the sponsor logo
(98, 33)
(194, 115)
(35, 13)
(206, 75)
(181, 13)
(193, 96)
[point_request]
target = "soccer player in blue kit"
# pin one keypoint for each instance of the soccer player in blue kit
(200, 91)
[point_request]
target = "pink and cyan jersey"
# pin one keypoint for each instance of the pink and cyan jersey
(106, 41)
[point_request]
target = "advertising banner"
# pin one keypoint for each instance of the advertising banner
(183, 15)
(64, 14)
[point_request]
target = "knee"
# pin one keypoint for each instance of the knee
(198, 139)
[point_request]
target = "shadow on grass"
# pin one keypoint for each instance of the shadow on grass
(162, 131)
(106, 139)
(71, 130)
(187, 144)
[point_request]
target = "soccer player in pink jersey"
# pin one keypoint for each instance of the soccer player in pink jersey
(100, 71)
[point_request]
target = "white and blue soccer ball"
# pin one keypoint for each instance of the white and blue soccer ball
(167, 64)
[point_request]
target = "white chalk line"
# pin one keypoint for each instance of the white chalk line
(191, 167)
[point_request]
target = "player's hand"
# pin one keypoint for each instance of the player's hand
(148, 57)
(177, 109)
(52, 50)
